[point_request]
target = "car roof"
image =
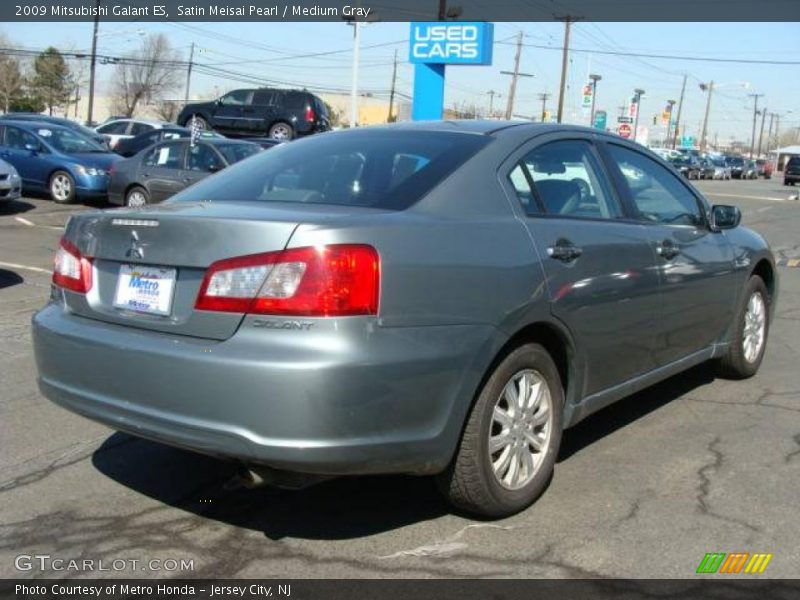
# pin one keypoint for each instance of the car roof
(135, 120)
(31, 124)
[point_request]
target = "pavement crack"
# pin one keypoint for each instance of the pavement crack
(705, 474)
(789, 457)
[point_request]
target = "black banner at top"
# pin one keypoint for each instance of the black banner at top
(402, 10)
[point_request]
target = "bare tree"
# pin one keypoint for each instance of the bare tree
(146, 75)
(12, 81)
(167, 110)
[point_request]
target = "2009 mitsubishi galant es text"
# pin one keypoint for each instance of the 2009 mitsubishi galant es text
(430, 298)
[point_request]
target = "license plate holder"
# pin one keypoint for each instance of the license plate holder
(145, 289)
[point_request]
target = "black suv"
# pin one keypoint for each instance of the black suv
(791, 172)
(279, 114)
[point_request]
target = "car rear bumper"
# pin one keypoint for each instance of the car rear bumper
(343, 400)
(795, 177)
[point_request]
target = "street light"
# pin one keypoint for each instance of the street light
(595, 78)
(638, 93)
(356, 24)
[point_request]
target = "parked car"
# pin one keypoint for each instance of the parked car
(721, 169)
(56, 159)
(56, 121)
(706, 168)
(737, 166)
(169, 166)
(750, 170)
(10, 183)
(120, 129)
(130, 146)
(764, 168)
(687, 165)
(426, 298)
(279, 114)
(791, 171)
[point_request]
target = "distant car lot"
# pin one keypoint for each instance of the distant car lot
(672, 473)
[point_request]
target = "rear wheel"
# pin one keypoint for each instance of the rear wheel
(281, 131)
(199, 122)
(62, 187)
(136, 197)
(750, 329)
(509, 446)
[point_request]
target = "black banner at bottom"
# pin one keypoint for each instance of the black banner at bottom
(718, 588)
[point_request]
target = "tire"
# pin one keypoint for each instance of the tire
(740, 362)
(62, 188)
(281, 131)
(136, 197)
(202, 123)
(482, 482)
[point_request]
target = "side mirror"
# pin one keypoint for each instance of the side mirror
(214, 168)
(724, 216)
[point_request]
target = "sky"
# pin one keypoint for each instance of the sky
(269, 51)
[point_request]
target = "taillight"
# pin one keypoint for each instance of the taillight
(310, 114)
(326, 281)
(72, 270)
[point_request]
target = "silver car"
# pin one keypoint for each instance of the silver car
(429, 298)
(10, 182)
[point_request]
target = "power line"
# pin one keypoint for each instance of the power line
(666, 56)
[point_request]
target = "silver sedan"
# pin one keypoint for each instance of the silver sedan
(10, 183)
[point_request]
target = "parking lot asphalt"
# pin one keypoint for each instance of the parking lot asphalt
(644, 488)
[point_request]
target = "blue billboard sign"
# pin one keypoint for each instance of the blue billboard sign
(451, 43)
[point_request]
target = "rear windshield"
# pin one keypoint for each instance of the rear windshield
(379, 169)
(736, 161)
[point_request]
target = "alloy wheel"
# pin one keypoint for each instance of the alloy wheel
(754, 327)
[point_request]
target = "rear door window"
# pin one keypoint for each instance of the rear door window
(139, 128)
(294, 100)
(263, 97)
(164, 156)
(569, 181)
(115, 128)
(365, 168)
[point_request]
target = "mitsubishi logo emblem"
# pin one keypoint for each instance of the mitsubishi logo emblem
(137, 248)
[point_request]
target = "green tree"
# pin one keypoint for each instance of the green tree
(52, 79)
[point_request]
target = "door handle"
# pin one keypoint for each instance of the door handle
(145, 175)
(667, 250)
(564, 252)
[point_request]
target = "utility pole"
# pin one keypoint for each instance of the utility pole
(638, 93)
(595, 78)
(515, 75)
(755, 113)
(670, 106)
(622, 108)
(543, 97)
(678, 118)
(568, 21)
(710, 89)
(769, 133)
(442, 15)
(189, 75)
(391, 92)
(354, 85)
(93, 65)
(761, 133)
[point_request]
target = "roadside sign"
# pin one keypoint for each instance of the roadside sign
(467, 43)
(665, 117)
(633, 109)
(600, 119)
(625, 131)
(624, 120)
(687, 141)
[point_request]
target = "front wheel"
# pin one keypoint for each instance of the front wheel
(509, 446)
(750, 329)
(62, 187)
